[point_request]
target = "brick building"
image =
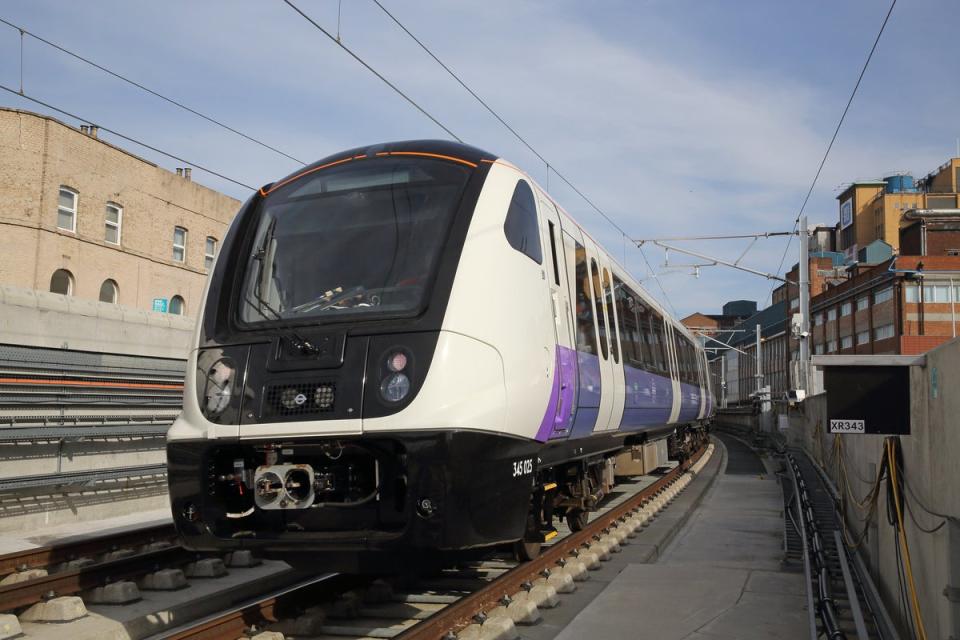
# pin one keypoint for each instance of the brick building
(82, 217)
(906, 305)
(876, 209)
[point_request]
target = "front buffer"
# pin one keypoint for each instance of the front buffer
(352, 504)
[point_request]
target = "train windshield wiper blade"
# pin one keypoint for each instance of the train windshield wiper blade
(297, 340)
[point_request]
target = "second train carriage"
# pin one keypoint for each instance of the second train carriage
(411, 347)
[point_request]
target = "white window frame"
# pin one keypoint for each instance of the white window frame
(863, 337)
(183, 305)
(884, 332)
(846, 342)
(863, 303)
(883, 295)
(182, 247)
(209, 258)
(831, 346)
(115, 288)
(73, 211)
(118, 225)
(831, 314)
(846, 308)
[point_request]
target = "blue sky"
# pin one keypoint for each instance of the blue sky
(677, 117)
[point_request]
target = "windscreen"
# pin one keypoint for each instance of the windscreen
(362, 238)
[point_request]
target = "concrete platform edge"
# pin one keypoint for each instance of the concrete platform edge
(668, 523)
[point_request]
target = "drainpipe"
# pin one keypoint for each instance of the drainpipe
(953, 308)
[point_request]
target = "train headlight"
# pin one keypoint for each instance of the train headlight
(397, 361)
(395, 387)
(218, 389)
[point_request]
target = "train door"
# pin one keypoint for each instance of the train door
(586, 340)
(617, 389)
(563, 397)
(674, 366)
(606, 337)
(702, 377)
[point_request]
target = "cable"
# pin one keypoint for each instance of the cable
(372, 70)
(150, 91)
(836, 131)
(549, 165)
(125, 137)
(901, 530)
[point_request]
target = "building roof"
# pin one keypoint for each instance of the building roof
(772, 320)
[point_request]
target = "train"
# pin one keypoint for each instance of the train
(410, 349)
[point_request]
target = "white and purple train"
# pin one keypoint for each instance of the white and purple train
(410, 347)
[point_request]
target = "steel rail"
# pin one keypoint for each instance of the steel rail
(257, 613)
(81, 478)
(45, 557)
(72, 582)
(463, 612)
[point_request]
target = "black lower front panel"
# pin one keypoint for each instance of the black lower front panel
(402, 492)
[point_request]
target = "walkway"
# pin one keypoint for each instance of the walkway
(720, 579)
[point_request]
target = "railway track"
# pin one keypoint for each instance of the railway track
(842, 600)
(479, 598)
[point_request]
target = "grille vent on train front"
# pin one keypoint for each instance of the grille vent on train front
(300, 399)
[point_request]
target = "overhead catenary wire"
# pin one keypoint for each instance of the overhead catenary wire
(142, 87)
(836, 131)
(549, 165)
(369, 68)
(126, 137)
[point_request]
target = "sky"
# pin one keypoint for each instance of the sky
(675, 117)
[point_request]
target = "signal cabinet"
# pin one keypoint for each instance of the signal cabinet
(879, 396)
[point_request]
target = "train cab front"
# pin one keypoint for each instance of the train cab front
(324, 312)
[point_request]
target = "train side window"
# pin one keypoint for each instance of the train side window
(628, 324)
(645, 342)
(520, 226)
(553, 252)
(598, 301)
(611, 319)
(659, 335)
(586, 334)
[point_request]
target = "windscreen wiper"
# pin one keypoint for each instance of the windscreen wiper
(302, 344)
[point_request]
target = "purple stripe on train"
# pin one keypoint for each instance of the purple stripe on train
(558, 418)
(648, 401)
(689, 402)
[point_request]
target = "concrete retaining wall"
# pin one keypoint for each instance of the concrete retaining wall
(41, 319)
(931, 464)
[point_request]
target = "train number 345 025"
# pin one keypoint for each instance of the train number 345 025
(522, 467)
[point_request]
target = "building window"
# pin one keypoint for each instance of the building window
(108, 291)
(936, 293)
(177, 306)
(521, 226)
(818, 319)
(831, 314)
(62, 282)
(795, 303)
(818, 349)
(846, 342)
(831, 346)
(846, 308)
(883, 332)
(179, 244)
(883, 295)
(863, 302)
(863, 337)
(67, 210)
(209, 252)
(112, 222)
(911, 293)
